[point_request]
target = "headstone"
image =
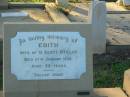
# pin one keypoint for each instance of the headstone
(97, 17)
(47, 60)
(3, 4)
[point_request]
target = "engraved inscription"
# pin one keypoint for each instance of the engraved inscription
(48, 55)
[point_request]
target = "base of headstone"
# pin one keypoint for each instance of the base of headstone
(50, 94)
(100, 92)
(21, 94)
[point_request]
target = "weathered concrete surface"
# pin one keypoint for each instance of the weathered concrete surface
(62, 2)
(118, 29)
(112, 7)
(1, 93)
(39, 15)
(56, 15)
(126, 85)
(118, 25)
(13, 87)
(34, 15)
(79, 12)
(97, 17)
(110, 92)
(102, 92)
(3, 4)
(12, 19)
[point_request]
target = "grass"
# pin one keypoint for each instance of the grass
(111, 75)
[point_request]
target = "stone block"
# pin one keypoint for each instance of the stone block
(97, 17)
(109, 92)
(126, 85)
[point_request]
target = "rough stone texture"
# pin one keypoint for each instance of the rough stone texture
(56, 15)
(118, 29)
(113, 7)
(126, 85)
(39, 15)
(78, 12)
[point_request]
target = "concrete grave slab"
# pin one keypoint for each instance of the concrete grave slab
(34, 15)
(112, 7)
(110, 92)
(126, 85)
(14, 87)
(102, 92)
(118, 29)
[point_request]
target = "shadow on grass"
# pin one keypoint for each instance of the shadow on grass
(110, 73)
